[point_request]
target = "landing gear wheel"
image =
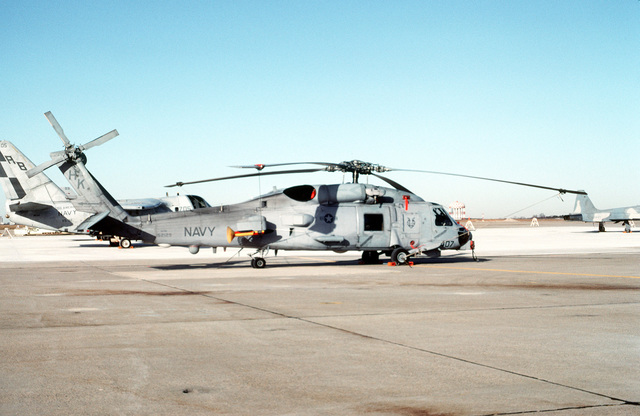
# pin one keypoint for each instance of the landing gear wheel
(258, 263)
(399, 256)
(370, 257)
(601, 227)
(125, 243)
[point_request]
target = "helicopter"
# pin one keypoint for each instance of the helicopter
(342, 217)
(36, 201)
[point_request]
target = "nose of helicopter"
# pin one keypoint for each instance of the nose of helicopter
(464, 236)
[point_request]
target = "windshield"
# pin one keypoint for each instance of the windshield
(441, 217)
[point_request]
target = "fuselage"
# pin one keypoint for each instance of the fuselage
(585, 210)
(612, 215)
(311, 217)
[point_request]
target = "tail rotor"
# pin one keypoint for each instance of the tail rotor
(71, 153)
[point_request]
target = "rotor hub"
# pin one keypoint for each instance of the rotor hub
(357, 166)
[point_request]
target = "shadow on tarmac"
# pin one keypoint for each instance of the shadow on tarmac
(105, 244)
(273, 263)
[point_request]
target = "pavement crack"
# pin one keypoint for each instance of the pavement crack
(559, 409)
(463, 360)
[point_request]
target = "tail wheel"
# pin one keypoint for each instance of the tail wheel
(400, 256)
(258, 263)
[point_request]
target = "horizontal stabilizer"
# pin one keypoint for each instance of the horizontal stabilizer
(140, 204)
(92, 220)
(28, 206)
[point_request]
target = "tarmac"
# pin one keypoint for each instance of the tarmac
(547, 321)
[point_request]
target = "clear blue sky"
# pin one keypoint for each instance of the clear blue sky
(546, 92)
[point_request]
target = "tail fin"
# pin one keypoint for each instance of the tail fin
(94, 196)
(584, 205)
(22, 192)
(111, 218)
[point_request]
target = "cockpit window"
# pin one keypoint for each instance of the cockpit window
(442, 219)
(197, 201)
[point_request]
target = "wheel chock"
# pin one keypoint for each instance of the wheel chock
(393, 263)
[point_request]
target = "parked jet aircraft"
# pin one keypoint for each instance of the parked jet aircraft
(339, 217)
(584, 210)
(39, 202)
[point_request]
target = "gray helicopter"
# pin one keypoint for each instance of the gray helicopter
(339, 217)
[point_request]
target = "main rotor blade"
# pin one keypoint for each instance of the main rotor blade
(46, 165)
(100, 140)
(282, 172)
(56, 126)
(561, 190)
(393, 183)
(261, 166)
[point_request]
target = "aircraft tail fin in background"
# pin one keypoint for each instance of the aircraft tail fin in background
(22, 192)
(584, 205)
